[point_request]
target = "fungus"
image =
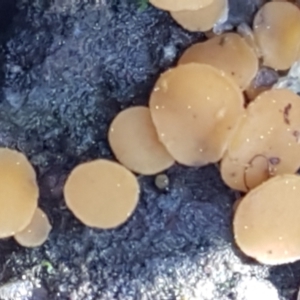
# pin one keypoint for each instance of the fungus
(101, 193)
(266, 143)
(178, 5)
(134, 141)
(36, 232)
(18, 192)
(162, 181)
(266, 223)
(236, 204)
(227, 52)
(195, 109)
(247, 34)
(277, 32)
(202, 19)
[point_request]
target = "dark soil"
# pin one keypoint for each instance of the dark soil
(66, 68)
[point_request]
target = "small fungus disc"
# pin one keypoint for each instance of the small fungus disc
(18, 192)
(195, 109)
(202, 19)
(266, 223)
(266, 143)
(134, 141)
(277, 31)
(36, 233)
(101, 193)
(227, 52)
(178, 5)
(162, 181)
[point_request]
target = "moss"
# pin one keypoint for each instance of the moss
(143, 4)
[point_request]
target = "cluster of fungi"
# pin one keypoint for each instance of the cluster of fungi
(208, 109)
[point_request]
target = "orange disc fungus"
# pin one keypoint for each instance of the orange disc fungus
(277, 31)
(202, 19)
(227, 52)
(18, 192)
(266, 143)
(247, 34)
(195, 109)
(36, 233)
(177, 5)
(266, 223)
(101, 193)
(134, 141)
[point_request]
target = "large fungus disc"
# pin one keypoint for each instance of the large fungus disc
(101, 193)
(227, 52)
(266, 143)
(134, 141)
(178, 5)
(202, 19)
(195, 109)
(18, 192)
(277, 31)
(266, 223)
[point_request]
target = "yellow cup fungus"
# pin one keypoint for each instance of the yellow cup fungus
(195, 108)
(178, 5)
(36, 232)
(266, 222)
(277, 32)
(202, 19)
(227, 52)
(134, 141)
(266, 143)
(101, 193)
(18, 192)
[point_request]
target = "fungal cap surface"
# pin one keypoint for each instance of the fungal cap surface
(266, 223)
(202, 19)
(248, 35)
(134, 141)
(277, 31)
(227, 52)
(195, 109)
(178, 5)
(101, 193)
(18, 192)
(266, 143)
(36, 232)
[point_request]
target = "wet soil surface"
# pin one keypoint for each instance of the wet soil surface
(66, 68)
